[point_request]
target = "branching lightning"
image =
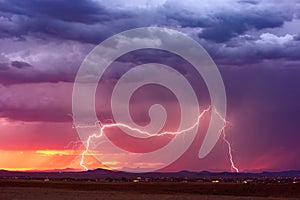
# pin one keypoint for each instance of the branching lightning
(104, 126)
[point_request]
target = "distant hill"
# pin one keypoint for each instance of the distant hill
(103, 174)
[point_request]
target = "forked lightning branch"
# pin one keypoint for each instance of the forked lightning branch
(107, 126)
(101, 58)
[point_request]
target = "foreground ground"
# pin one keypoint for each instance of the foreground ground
(40, 190)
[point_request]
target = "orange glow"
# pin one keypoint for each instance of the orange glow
(39, 160)
(56, 152)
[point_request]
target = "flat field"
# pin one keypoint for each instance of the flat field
(77, 190)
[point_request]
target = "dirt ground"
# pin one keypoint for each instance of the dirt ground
(37, 190)
(17, 193)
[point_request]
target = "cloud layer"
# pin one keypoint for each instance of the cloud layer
(255, 44)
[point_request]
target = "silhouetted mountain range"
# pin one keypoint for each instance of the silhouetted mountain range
(103, 174)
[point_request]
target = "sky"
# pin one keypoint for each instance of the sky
(255, 45)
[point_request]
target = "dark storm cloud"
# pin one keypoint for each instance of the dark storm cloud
(83, 20)
(90, 21)
(18, 72)
(223, 31)
(229, 20)
(176, 15)
(229, 25)
(248, 2)
(20, 64)
(247, 49)
(297, 37)
(5, 67)
(10, 77)
(84, 11)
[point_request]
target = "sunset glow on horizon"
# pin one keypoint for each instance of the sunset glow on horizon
(255, 46)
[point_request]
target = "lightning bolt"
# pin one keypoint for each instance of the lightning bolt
(104, 126)
(232, 164)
